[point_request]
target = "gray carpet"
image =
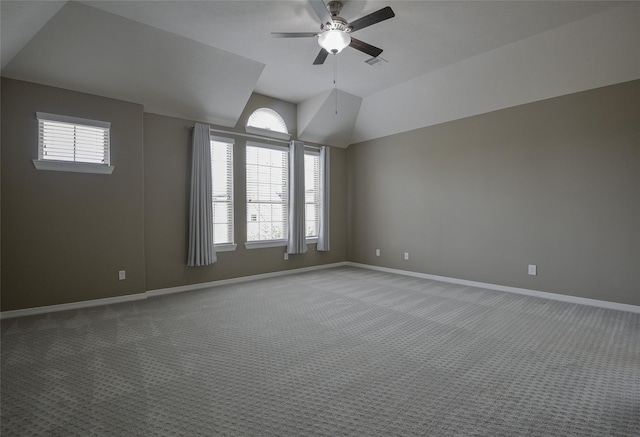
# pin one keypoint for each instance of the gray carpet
(342, 351)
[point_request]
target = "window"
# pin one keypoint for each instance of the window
(265, 118)
(267, 192)
(222, 190)
(73, 144)
(266, 121)
(312, 193)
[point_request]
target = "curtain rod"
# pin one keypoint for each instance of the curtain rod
(258, 137)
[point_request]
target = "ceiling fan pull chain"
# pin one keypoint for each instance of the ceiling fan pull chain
(335, 79)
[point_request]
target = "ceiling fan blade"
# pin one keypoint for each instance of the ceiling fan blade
(370, 50)
(321, 11)
(372, 18)
(322, 56)
(293, 34)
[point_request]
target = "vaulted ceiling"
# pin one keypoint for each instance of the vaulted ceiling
(442, 60)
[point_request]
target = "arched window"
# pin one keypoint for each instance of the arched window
(267, 119)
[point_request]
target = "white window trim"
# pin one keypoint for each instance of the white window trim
(267, 133)
(272, 243)
(71, 166)
(72, 120)
(264, 243)
(220, 139)
(226, 247)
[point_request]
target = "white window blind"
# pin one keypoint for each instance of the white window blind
(266, 118)
(72, 139)
(222, 189)
(312, 193)
(267, 192)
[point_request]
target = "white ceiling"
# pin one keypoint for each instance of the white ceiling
(202, 59)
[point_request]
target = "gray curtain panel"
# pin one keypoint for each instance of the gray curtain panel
(323, 234)
(201, 247)
(296, 242)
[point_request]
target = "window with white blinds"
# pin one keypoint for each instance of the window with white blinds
(222, 189)
(312, 193)
(73, 141)
(267, 192)
(266, 118)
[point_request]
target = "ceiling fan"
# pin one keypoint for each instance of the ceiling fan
(335, 30)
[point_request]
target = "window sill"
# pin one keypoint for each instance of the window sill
(265, 243)
(227, 247)
(272, 243)
(73, 167)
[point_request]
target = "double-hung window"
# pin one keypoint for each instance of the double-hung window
(312, 193)
(73, 144)
(267, 192)
(222, 192)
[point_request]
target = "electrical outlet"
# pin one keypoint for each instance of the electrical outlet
(286, 256)
(122, 274)
(406, 255)
(533, 269)
(377, 252)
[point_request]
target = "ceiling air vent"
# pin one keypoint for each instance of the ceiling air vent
(376, 61)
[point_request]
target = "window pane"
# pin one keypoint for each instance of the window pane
(222, 190)
(252, 155)
(72, 142)
(277, 231)
(267, 207)
(253, 231)
(220, 212)
(221, 232)
(312, 193)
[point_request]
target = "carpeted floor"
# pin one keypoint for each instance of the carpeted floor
(342, 351)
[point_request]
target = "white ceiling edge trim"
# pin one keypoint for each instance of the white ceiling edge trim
(597, 51)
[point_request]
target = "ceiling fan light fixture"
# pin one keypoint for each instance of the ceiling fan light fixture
(334, 40)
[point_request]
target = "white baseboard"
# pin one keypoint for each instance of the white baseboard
(182, 288)
(516, 290)
(71, 306)
(154, 293)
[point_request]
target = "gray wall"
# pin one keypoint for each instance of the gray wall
(167, 160)
(554, 183)
(66, 235)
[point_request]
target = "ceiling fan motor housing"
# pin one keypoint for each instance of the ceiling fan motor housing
(338, 23)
